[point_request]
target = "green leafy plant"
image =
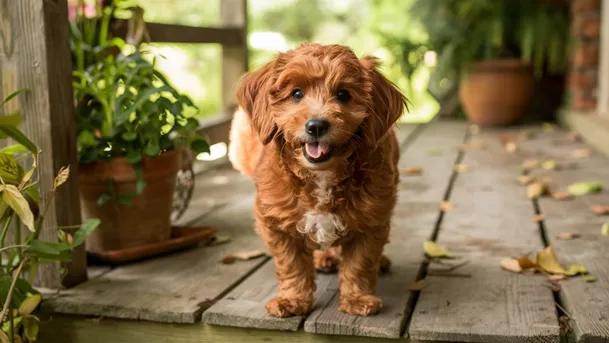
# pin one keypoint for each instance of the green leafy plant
(20, 205)
(127, 109)
(463, 32)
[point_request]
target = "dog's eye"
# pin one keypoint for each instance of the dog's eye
(343, 95)
(297, 94)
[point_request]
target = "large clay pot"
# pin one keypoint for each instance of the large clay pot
(148, 220)
(497, 92)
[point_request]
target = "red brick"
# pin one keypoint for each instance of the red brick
(579, 6)
(587, 26)
(585, 54)
(583, 101)
(583, 79)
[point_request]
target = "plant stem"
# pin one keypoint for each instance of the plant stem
(3, 237)
(13, 247)
(10, 290)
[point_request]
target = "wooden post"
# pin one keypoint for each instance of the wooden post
(35, 54)
(233, 13)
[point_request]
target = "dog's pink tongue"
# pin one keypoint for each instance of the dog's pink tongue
(315, 150)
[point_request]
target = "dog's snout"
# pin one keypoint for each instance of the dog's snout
(317, 127)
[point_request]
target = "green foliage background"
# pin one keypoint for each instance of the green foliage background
(364, 25)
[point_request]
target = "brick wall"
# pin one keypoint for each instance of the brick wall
(583, 74)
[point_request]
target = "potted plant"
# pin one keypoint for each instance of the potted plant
(494, 49)
(131, 128)
(20, 257)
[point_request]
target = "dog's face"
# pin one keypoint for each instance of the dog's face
(322, 100)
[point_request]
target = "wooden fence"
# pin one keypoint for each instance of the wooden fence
(35, 53)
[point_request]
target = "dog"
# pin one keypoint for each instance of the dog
(315, 130)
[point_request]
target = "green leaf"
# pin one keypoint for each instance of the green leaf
(583, 188)
(134, 157)
(11, 120)
(15, 200)
(29, 304)
(140, 184)
(15, 134)
(152, 149)
(11, 171)
(13, 95)
(200, 145)
(86, 138)
(129, 136)
(85, 230)
(47, 248)
(126, 199)
(103, 199)
(14, 149)
(32, 193)
(30, 327)
(191, 124)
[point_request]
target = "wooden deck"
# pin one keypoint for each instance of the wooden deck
(193, 297)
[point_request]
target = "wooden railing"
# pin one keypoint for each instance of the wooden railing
(35, 53)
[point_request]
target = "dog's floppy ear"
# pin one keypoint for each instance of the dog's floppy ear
(253, 96)
(388, 104)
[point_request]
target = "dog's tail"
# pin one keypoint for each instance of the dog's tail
(244, 146)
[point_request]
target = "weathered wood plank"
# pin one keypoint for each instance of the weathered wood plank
(414, 222)
(35, 54)
(71, 329)
(587, 303)
(175, 288)
(493, 219)
(235, 59)
(245, 305)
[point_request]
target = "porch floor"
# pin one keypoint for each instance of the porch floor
(469, 298)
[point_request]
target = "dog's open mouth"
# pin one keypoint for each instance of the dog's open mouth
(317, 152)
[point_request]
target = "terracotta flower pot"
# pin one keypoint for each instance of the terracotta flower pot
(497, 92)
(148, 220)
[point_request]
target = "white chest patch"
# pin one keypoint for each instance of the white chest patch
(326, 227)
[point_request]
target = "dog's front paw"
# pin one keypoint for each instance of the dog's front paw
(361, 305)
(284, 307)
(325, 262)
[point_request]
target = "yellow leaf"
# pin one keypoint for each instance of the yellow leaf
(446, 206)
(435, 251)
(411, 171)
(575, 269)
(548, 164)
(13, 198)
(589, 278)
(511, 264)
(461, 168)
(547, 261)
(605, 229)
(510, 147)
(526, 263)
(29, 304)
(526, 179)
(568, 235)
(583, 188)
(62, 176)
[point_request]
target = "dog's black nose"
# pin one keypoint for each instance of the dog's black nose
(317, 127)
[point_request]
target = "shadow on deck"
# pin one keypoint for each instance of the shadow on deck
(193, 297)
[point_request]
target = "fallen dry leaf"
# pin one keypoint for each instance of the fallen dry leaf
(511, 264)
(536, 189)
(568, 236)
(470, 146)
(605, 229)
(557, 277)
(461, 168)
(547, 261)
(539, 217)
(549, 165)
(528, 164)
(600, 209)
(510, 147)
(581, 153)
(446, 206)
(561, 196)
(229, 260)
(411, 171)
(576, 269)
(589, 278)
(583, 188)
(435, 151)
(220, 240)
(435, 251)
(526, 263)
(418, 285)
(525, 179)
(248, 255)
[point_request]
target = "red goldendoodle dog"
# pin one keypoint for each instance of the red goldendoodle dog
(315, 130)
